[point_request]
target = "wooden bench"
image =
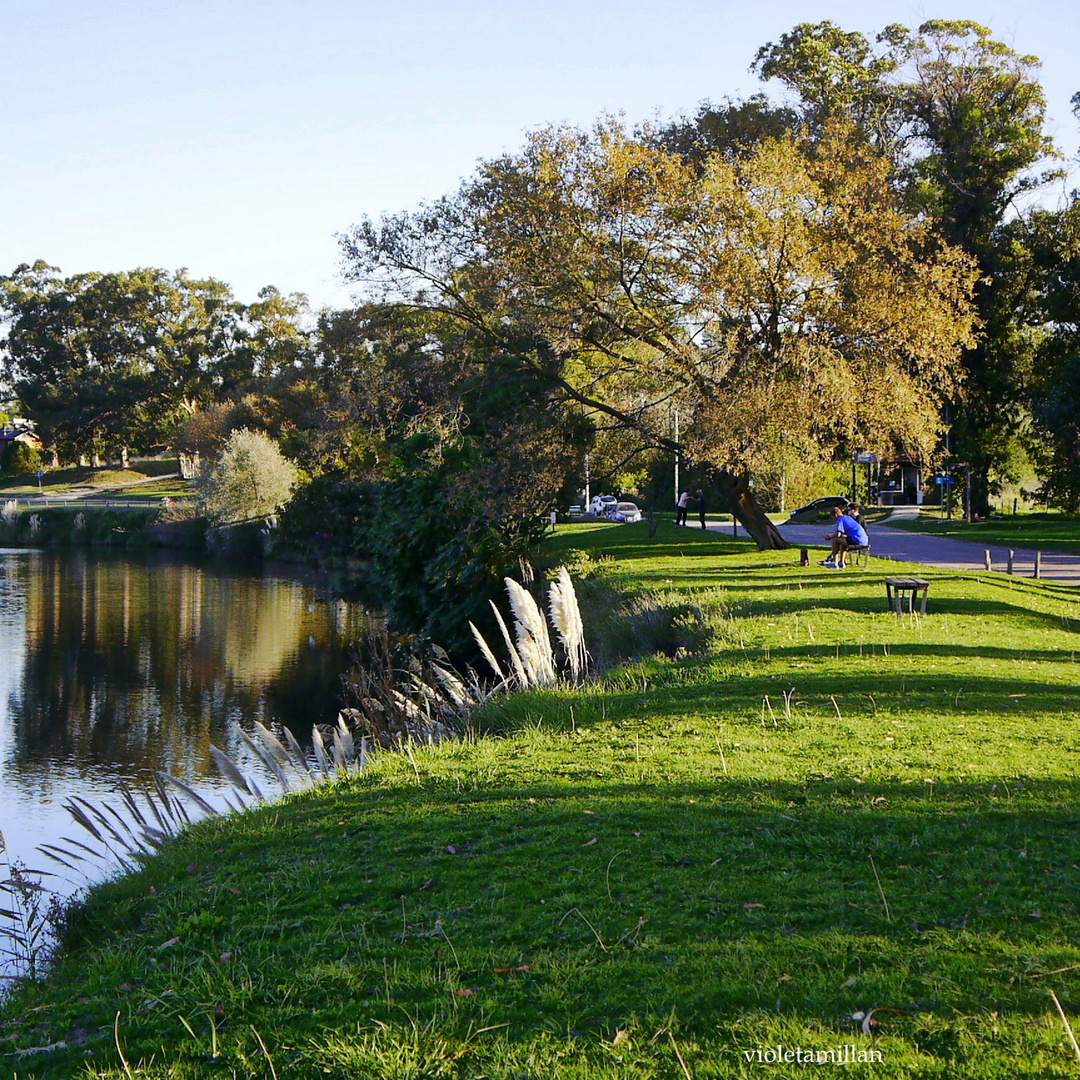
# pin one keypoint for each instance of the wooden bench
(897, 587)
(861, 552)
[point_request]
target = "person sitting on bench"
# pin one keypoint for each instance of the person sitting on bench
(848, 534)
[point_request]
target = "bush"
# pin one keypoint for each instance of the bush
(325, 517)
(21, 459)
(438, 547)
(252, 479)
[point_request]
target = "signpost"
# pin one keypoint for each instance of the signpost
(945, 482)
(869, 460)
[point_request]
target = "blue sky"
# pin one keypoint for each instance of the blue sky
(236, 138)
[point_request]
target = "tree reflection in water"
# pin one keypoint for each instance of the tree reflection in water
(113, 666)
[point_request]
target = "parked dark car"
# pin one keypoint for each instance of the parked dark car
(823, 505)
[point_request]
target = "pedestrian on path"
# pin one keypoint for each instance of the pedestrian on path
(682, 508)
(701, 507)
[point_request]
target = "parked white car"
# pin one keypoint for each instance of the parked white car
(601, 505)
(625, 511)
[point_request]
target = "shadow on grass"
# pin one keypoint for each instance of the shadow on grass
(959, 693)
(980, 652)
(577, 910)
(701, 897)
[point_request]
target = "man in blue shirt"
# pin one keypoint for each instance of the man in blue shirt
(849, 533)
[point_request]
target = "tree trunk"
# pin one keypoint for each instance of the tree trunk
(739, 500)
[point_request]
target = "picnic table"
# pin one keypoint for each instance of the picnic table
(897, 588)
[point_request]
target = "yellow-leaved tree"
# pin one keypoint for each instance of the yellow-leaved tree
(784, 296)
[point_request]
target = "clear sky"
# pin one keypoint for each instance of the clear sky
(236, 138)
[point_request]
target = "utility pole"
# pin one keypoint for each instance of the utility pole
(676, 456)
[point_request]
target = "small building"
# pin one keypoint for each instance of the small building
(19, 430)
(900, 481)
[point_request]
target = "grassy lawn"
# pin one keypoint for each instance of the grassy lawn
(138, 481)
(1060, 532)
(828, 810)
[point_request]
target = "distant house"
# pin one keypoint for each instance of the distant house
(19, 430)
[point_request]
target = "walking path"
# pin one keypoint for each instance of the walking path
(89, 493)
(944, 552)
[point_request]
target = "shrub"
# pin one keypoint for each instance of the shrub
(325, 516)
(21, 459)
(251, 479)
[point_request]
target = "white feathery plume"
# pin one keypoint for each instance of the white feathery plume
(515, 660)
(452, 687)
(566, 618)
(343, 733)
(533, 642)
(489, 656)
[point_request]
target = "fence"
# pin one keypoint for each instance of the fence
(93, 502)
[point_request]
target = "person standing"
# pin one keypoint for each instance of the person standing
(682, 508)
(701, 506)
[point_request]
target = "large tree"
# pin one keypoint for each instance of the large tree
(784, 287)
(961, 115)
(1053, 238)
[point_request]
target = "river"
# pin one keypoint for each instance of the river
(113, 666)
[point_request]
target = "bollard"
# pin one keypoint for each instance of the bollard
(986, 559)
(1038, 564)
(1011, 553)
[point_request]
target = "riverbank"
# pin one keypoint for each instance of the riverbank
(825, 810)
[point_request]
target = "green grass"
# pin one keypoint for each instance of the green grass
(832, 809)
(138, 481)
(1046, 531)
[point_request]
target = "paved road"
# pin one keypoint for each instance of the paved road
(946, 553)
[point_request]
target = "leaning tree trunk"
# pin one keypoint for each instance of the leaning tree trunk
(739, 500)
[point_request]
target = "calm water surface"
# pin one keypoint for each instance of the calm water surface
(112, 667)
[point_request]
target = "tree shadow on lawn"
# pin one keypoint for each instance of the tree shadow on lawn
(806, 899)
(926, 649)
(729, 909)
(947, 694)
(781, 598)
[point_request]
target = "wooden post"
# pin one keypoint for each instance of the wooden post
(1038, 564)
(986, 559)
(1011, 553)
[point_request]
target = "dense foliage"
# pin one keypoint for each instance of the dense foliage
(783, 289)
(106, 362)
(20, 458)
(961, 117)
